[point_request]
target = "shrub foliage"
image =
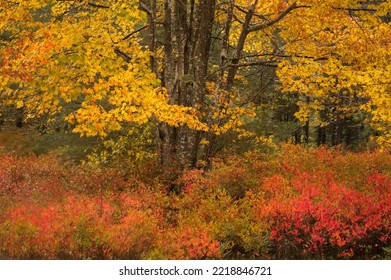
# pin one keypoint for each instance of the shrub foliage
(298, 203)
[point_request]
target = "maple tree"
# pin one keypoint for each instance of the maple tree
(339, 61)
(183, 65)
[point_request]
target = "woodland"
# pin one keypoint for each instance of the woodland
(195, 129)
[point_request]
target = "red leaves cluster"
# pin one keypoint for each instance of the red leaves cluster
(320, 211)
(301, 204)
(323, 219)
(52, 212)
(24, 57)
(84, 227)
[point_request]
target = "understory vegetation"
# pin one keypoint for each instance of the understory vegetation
(293, 203)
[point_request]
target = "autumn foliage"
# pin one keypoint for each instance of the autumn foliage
(323, 219)
(199, 72)
(184, 86)
(295, 204)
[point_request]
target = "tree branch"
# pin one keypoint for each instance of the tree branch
(143, 7)
(254, 63)
(355, 9)
(127, 36)
(134, 32)
(243, 10)
(120, 53)
(240, 45)
(98, 5)
(287, 56)
(277, 19)
(244, 64)
(237, 19)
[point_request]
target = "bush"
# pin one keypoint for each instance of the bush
(298, 203)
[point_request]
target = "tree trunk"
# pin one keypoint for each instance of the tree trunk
(339, 127)
(321, 140)
(19, 117)
(187, 36)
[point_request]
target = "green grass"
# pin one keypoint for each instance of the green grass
(24, 141)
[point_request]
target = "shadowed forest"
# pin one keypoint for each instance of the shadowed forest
(164, 129)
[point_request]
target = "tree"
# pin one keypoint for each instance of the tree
(342, 70)
(87, 54)
(184, 65)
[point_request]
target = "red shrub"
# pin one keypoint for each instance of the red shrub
(322, 219)
(79, 227)
(73, 229)
(32, 177)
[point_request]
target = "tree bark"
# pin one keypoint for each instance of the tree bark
(19, 116)
(187, 41)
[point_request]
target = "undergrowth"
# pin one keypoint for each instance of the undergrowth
(295, 203)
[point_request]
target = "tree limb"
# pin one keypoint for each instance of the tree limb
(244, 64)
(98, 5)
(277, 19)
(254, 63)
(134, 32)
(120, 53)
(355, 9)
